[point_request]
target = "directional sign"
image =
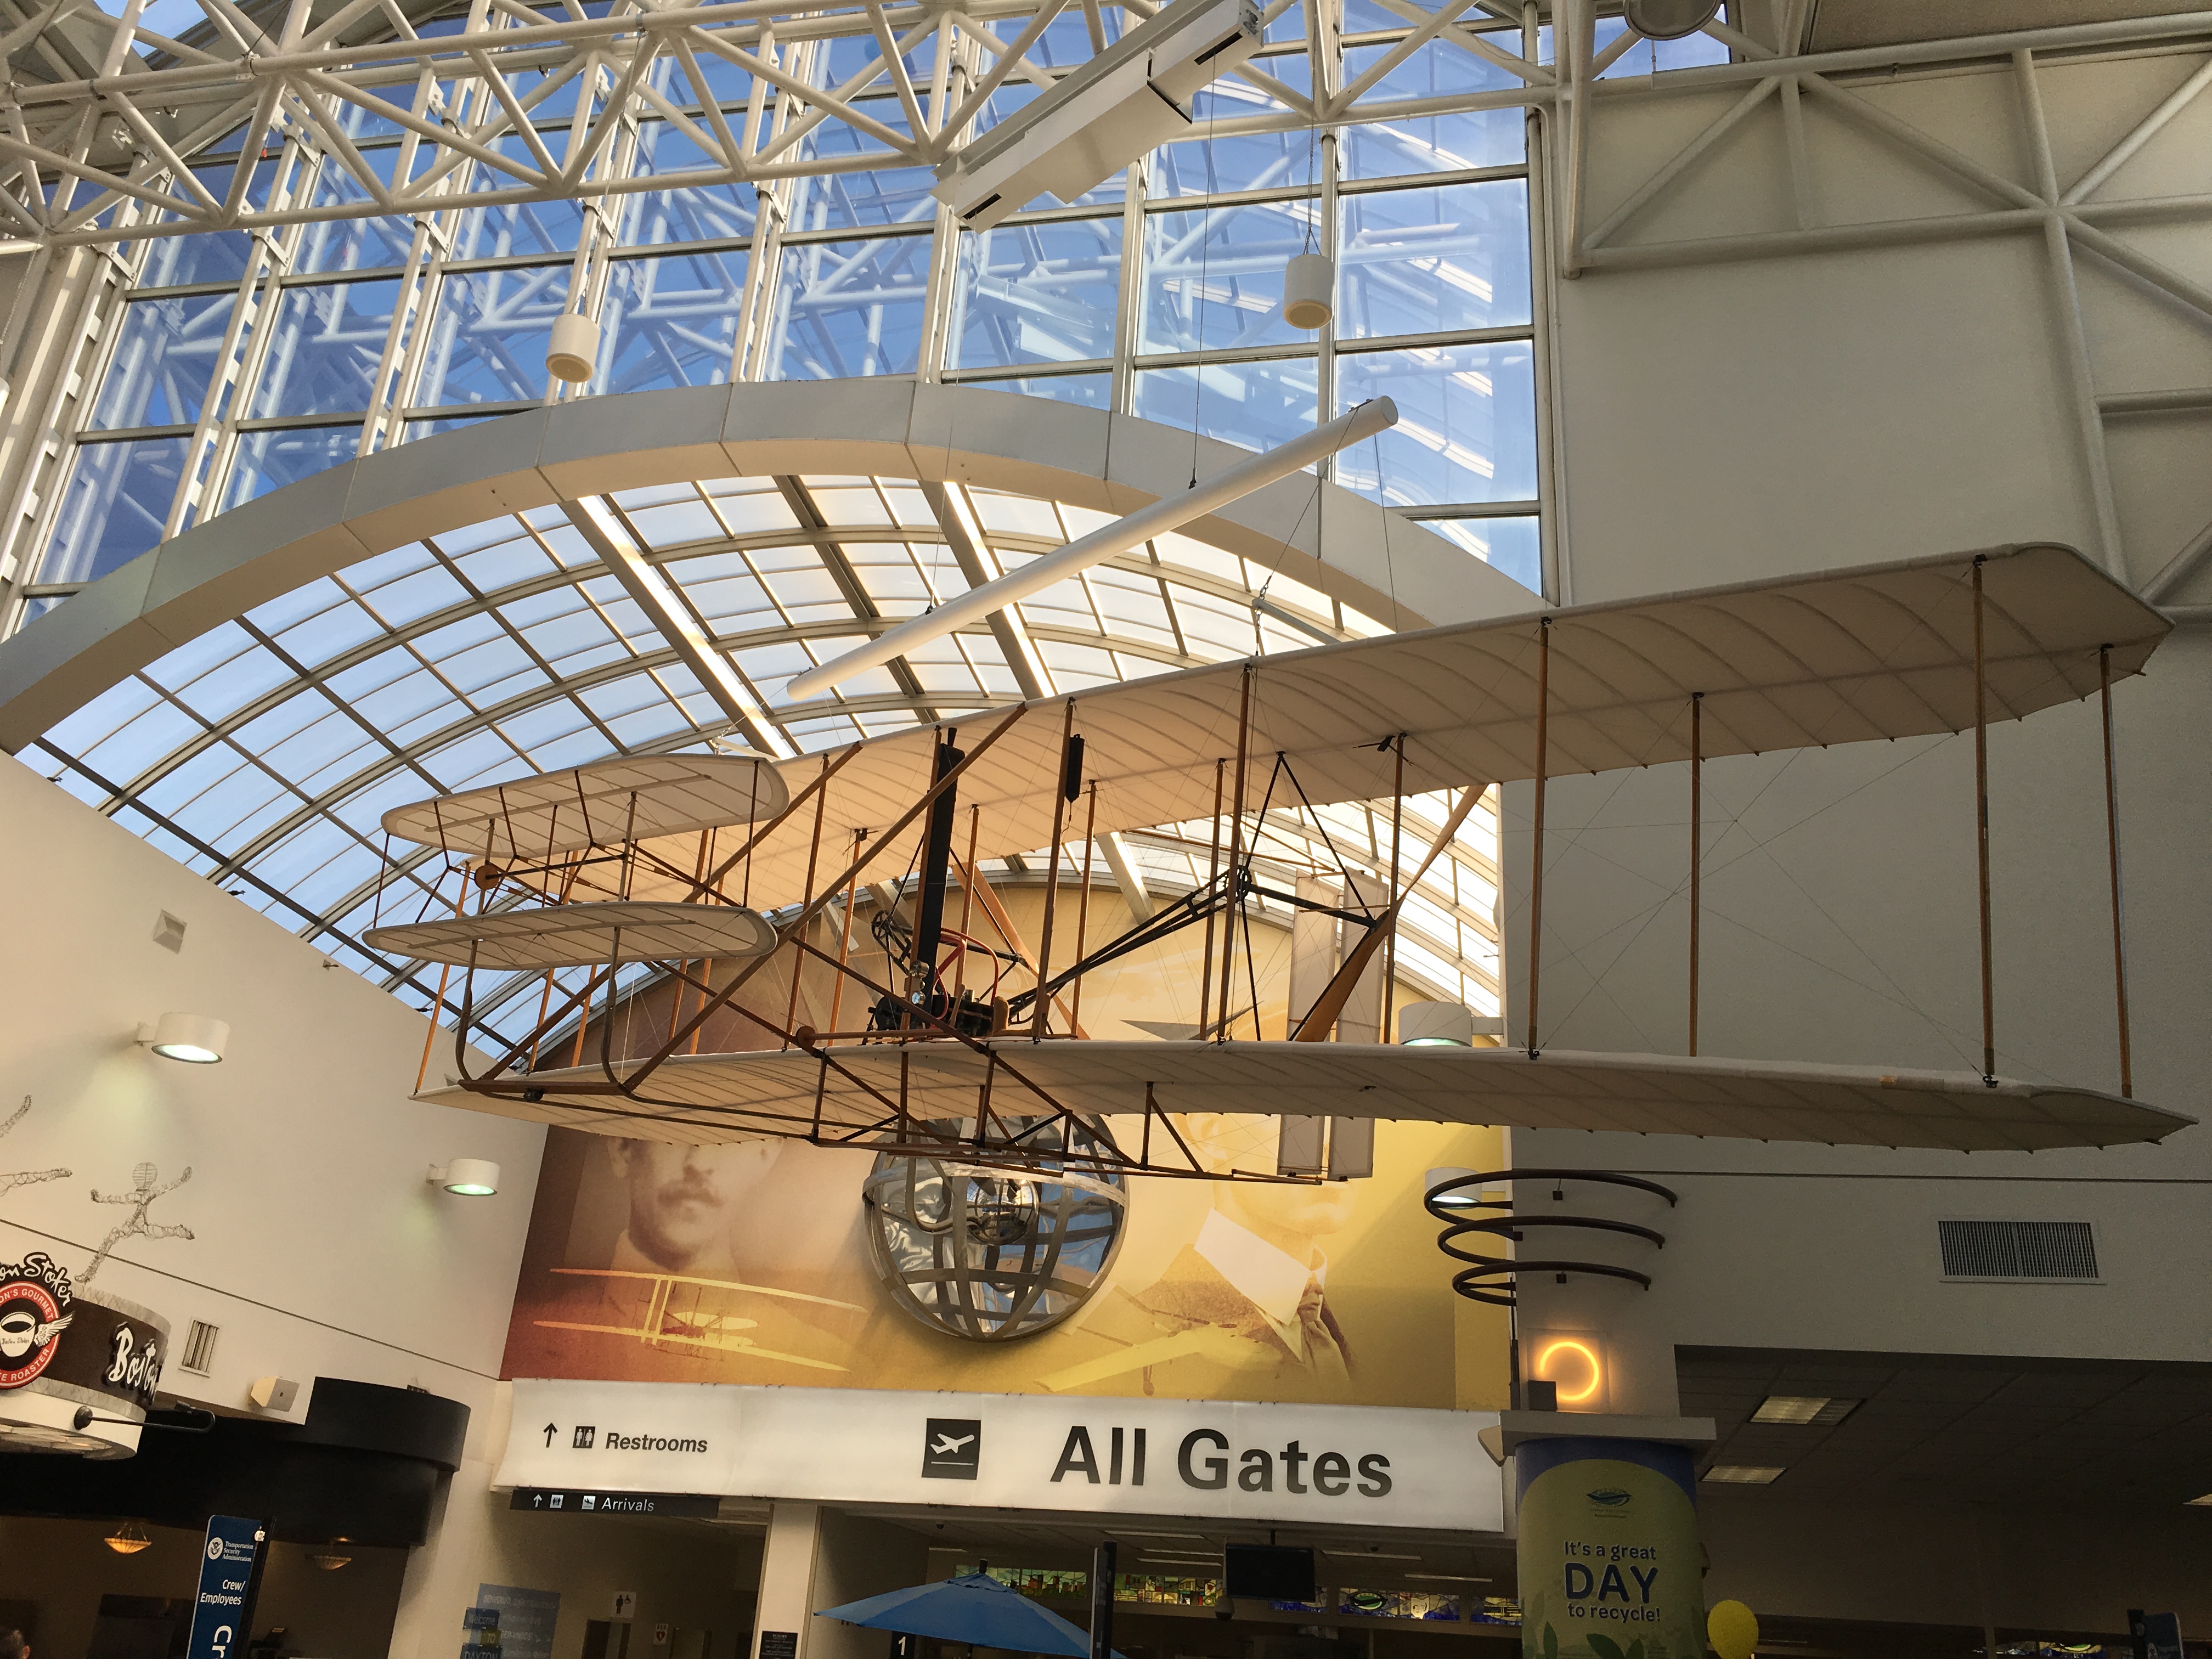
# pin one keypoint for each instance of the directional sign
(230, 1574)
(571, 1501)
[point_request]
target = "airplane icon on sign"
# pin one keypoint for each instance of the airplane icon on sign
(947, 1444)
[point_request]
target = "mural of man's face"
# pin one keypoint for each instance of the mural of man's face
(1293, 1218)
(682, 1200)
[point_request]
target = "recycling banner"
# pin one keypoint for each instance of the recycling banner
(1611, 1567)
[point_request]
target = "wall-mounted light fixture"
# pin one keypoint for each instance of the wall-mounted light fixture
(128, 1538)
(195, 1039)
(466, 1177)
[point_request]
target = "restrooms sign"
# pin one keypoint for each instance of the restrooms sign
(1347, 1464)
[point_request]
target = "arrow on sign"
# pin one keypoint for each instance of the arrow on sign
(551, 1430)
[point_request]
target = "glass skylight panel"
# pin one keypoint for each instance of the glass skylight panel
(1213, 280)
(675, 523)
(1455, 257)
(323, 347)
(489, 233)
(405, 596)
(1466, 428)
(518, 558)
(1254, 405)
(1017, 515)
(853, 506)
(488, 341)
(860, 201)
(164, 358)
(243, 674)
(670, 321)
(753, 507)
(1442, 142)
(849, 308)
(269, 460)
(717, 79)
(1511, 545)
(1038, 294)
(113, 507)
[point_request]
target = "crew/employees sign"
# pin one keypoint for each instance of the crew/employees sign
(230, 1577)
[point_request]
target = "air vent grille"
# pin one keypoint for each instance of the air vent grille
(2046, 1250)
(199, 1347)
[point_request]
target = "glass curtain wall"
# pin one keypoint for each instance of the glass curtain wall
(238, 363)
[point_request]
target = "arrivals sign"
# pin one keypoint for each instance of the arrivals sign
(1349, 1465)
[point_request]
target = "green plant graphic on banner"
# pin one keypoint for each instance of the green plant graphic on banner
(1610, 1565)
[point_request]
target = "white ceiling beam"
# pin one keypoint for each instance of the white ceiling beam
(605, 536)
(1168, 513)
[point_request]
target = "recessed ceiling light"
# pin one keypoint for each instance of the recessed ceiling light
(1817, 1411)
(1445, 1578)
(1741, 1475)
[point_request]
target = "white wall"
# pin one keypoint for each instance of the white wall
(1732, 418)
(317, 1245)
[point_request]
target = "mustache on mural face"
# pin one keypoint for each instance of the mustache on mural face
(691, 1188)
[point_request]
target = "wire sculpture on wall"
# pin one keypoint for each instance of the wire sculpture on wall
(141, 1194)
(988, 1253)
(25, 1178)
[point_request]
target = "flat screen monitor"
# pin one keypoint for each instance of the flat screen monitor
(1269, 1572)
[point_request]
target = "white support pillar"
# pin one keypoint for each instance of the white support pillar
(787, 1581)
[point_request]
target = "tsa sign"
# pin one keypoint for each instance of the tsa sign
(230, 1572)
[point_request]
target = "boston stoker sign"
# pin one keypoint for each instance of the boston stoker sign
(1375, 1466)
(64, 1349)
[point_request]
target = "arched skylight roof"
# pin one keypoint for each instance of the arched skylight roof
(264, 753)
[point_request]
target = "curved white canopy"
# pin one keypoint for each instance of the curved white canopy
(723, 1097)
(1885, 651)
(581, 936)
(605, 804)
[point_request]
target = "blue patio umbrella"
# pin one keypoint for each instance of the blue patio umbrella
(975, 1608)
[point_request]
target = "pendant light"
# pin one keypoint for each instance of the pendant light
(128, 1538)
(1309, 291)
(571, 348)
(1310, 280)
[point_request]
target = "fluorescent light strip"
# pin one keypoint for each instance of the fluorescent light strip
(1741, 1475)
(1443, 1578)
(1368, 1555)
(1817, 1411)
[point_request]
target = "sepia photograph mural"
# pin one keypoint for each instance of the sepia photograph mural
(778, 1262)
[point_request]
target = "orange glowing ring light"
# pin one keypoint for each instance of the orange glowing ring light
(1588, 1355)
